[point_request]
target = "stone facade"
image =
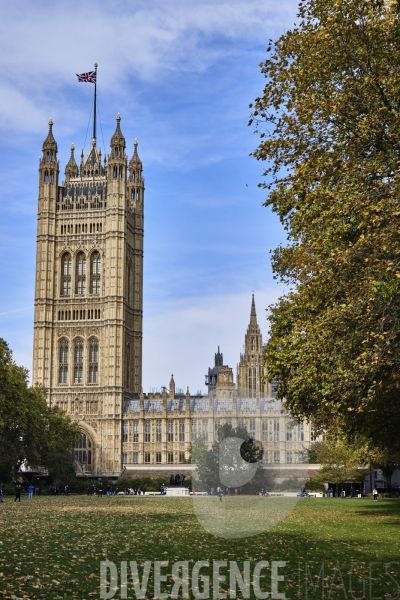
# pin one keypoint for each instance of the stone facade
(158, 428)
(89, 289)
(88, 330)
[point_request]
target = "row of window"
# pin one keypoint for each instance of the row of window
(148, 458)
(48, 177)
(265, 433)
(147, 432)
(81, 204)
(79, 315)
(254, 344)
(290, 432)
(200, 429)
(78, 361)
(81, 228)
(80, 273)
(157, 457)
(49, 158)
(290, 457)
(135, 194)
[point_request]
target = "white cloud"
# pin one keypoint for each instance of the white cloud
(180, 337)
(144, 40)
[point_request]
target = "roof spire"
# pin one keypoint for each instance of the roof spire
(253, 314)
(71, 169)
(118, 138)
(50, 143)
(135, 164)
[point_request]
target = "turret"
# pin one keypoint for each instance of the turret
(71, 169)
(135, 187)
(172, 388)
(48, 167)
(253, 338)
(117, 158)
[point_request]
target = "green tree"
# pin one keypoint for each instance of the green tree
(222, 460)
(31, 432)
(340, 461)
(329, 124)
(57, 451)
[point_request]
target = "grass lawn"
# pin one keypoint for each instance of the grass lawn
(51, 547)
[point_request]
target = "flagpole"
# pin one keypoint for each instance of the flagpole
(94, 112)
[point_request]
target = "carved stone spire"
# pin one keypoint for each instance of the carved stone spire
(172, 388)
(253, 314)
(50, 144)
(71, 169)
(135, 164)
(118, 139)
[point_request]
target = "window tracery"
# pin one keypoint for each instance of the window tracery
(78, 361)
(63, 363)
(66, 267)
(94, 361)
(95, 272)
(81, 274)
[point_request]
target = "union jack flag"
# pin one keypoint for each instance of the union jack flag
(87, 77)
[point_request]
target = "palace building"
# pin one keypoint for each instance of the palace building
(88, 329)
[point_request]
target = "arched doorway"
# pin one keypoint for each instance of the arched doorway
(84, 452)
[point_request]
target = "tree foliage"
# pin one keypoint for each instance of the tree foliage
(340, 462)
(31, 432)
(329, 124)
(221, 460)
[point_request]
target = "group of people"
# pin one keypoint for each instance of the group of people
(133, 492)
(55, 490)
(221, 491)
(92, 490)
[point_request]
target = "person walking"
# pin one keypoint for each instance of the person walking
(375, 494)
(30, 492)
(219, 491)
(18, 492)
(1, 494)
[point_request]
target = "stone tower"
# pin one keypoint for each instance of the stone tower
(212, 375)
(251, 372)
(89, 290)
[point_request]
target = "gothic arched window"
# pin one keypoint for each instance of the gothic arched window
(83, 451)
(63, 363)
(81, 273)
(252, 382)
(66, 265)
(78, 361)
(94, 361)
(159, 431)
(95, 272)
(46, 176)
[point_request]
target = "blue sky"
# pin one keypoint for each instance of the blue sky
(181, 73)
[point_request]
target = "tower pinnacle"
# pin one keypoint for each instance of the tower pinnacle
(50, 143)
(118, 140)
(71, 169)
(253, 314)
